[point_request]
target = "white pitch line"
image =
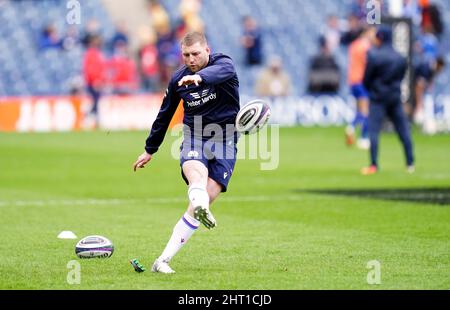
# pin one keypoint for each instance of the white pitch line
(120, 201)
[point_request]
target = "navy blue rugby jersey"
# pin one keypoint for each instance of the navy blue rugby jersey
(215, 100)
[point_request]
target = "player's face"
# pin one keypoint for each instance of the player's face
(196, 56)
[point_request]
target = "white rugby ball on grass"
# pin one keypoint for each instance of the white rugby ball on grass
(94, 247)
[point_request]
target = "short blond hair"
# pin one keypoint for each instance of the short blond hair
(193, 37)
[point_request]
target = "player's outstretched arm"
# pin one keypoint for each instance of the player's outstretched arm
(142, 160)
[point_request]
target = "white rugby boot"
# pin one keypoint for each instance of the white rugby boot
(411, 169)
(162, 267)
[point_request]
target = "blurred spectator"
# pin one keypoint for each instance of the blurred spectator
(190, 13)
(181, 28)
(428, 45)
(122, 70)
(94, 69)
(194, 23)
(159, 17)
(353, 30)
(148, 60)
(252, 42)
(92, 30)
(424, 74)
(71, 39)
(169, 53)
(49, 38)
(273, 80)
(431, 18)
(324, 75)
(357, 58)
(332, 33)
(120, 35)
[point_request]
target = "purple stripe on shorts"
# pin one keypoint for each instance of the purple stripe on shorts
(189, 224)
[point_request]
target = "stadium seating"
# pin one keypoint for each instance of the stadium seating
(291, 29)
(25, 69)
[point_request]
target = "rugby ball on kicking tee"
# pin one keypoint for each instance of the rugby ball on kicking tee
(252, 117)
(94, 247)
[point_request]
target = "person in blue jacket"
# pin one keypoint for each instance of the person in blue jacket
(383, 76)
(209, 88)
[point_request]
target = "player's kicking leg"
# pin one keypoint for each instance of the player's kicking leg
(202, 192)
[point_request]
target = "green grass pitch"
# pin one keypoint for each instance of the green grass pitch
(313, 223)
